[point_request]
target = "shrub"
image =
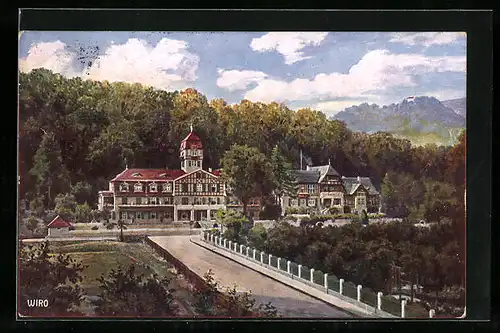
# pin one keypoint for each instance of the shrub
(110, 226)
(94, 227)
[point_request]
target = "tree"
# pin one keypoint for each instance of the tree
(37, 206)
(233, 222)
(54, 278)
(82, 192)
(257, 236)
(247, 173)
(125, 293)
(48, 168)
(32, 224)
(206, 298)
(285, 182)
(83, 213)
(65, 206)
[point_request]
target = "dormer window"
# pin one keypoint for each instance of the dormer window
(137, 175)
(153, 187)
(138, 187)
(123, 187)
(163, 175)
(167, 187)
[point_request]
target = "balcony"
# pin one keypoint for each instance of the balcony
(130, 204)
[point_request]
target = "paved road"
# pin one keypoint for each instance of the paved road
(288, 301)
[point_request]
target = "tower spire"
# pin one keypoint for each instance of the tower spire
(191, 126)
(329, 162)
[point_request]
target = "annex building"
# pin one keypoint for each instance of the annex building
(322, 188)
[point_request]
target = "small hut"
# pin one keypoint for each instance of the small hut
(58, 227)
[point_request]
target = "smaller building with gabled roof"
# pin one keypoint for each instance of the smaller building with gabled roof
(321, 188)
(58, 227)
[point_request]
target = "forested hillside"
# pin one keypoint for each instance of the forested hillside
(75, 135)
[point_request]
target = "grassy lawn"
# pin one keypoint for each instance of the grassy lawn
(101, 257)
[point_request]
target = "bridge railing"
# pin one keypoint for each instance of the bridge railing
(372, 302)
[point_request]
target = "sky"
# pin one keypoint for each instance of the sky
(326, 71)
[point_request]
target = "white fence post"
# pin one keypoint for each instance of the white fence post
(379, 300)
(312, 275)
(278, 262)
(270, 256)
(248, 250)
(432, 313)
(211, 238)
(359, 292)
(403, 305)
(216, 239)
(288, 267)
(262, 257)
(224, 242)
(230, 243)
(341, 286)
(241, 249)
(325, 280)
(300, 271)
(235, 247)
(254, 250)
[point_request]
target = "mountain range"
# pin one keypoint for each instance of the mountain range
(420, 119)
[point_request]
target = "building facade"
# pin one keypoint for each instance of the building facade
(160, 195)
(323, 189)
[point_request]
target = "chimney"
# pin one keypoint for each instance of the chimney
(359, 178)
(209, 169)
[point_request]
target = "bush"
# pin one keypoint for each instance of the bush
(94, 227)
(110, 226)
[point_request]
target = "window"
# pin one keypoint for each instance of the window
(311, 188)
(137, 175)
(138, 201)
(152, 215)
(198, 163)
(185, 201)
(124, 200)
(145, 215)
(213, 201)
(138, 187)
(337, 201)
(144, 201)
(197, 201)
(294, 202)
(204, 200)
(302, 202)
(153, 187)
(152, 201)
(311, 202)
(199, 187)
(167, 200)
(123, 187)
(124, 215)
(167, 187)
(213, 188)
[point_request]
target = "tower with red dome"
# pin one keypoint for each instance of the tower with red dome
(191, 152)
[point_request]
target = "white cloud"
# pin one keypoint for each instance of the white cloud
(377, 70)
(50, 55)
(289, 44)
(168, 65)
(426, 38)
(237, 80)
(445, 94)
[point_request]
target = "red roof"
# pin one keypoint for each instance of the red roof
(148, 174)
(192, 139)
(58, 222)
